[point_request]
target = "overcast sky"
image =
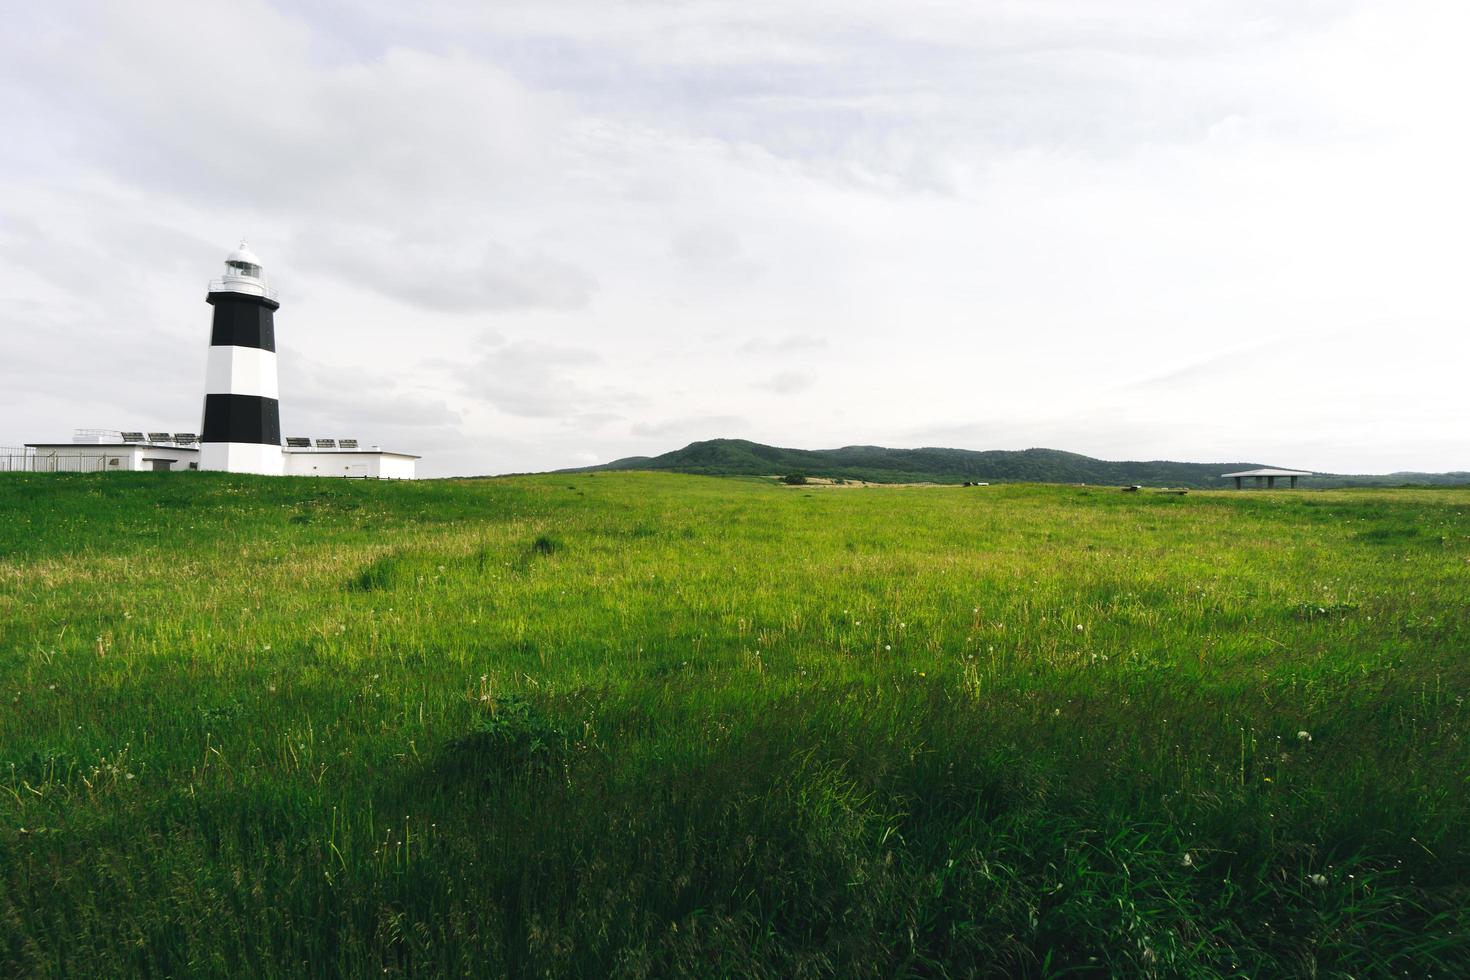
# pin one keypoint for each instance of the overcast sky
(518, 236)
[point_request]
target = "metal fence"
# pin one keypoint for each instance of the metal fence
(20, 460)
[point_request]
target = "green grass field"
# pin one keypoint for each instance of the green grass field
(642, 725)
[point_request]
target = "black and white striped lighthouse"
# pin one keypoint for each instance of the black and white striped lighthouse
(242, 412)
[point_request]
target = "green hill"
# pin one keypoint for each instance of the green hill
(877, 464)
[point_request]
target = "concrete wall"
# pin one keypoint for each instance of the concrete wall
(399, 468)
(120, 458)
(242, 457)
(110, 458)
(363, 464)
(177, 459)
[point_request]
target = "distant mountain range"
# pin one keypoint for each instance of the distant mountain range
(875, 464)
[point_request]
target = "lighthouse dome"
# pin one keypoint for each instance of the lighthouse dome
(244, 260)
(243, 274)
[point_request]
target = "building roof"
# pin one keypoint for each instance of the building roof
(347, 452)
(195, 449)
(112, 445)
(1268, 471)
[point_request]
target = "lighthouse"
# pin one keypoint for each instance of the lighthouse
(242, 412)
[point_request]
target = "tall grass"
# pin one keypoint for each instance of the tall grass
(642, 725)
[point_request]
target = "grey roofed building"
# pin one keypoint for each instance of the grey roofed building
(1266, 475)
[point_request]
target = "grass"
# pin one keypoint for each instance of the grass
(641, 725)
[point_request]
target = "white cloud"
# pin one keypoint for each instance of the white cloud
(691, 428)
(786, 382)
(447, 276)
(782, 346)
(541, 381)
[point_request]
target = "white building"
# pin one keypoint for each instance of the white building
(110, 451)
(371, 463)
(101, 451)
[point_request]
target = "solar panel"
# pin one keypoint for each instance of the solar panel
(347, 443)
(296, 442)
(185, 438)
(132, 437)
(159, 437)
(326, 444)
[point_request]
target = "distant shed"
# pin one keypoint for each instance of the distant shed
(1265, 476)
